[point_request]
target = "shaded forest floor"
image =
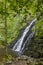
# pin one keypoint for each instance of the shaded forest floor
(34, 56)
(23, 60)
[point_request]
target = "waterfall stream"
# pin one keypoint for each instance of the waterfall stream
(20, 44)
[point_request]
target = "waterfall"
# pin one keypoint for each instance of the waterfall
(20, 44)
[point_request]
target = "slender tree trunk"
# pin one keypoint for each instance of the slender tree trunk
(5, 24)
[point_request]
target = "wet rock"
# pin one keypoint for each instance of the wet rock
(23, 57)
(8, 63)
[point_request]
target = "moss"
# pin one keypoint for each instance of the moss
(39, 64)
(28, 63)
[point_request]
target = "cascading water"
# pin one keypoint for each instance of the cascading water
(20, 45)
(23, 42)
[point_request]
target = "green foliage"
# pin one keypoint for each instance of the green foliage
(16, 12)
(15, 15)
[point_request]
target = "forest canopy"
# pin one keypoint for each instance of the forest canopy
(14, 15)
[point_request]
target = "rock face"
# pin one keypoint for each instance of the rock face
(35, 49)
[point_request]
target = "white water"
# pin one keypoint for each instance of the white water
(17, 46)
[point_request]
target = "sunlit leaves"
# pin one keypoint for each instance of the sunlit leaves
(17, 12)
